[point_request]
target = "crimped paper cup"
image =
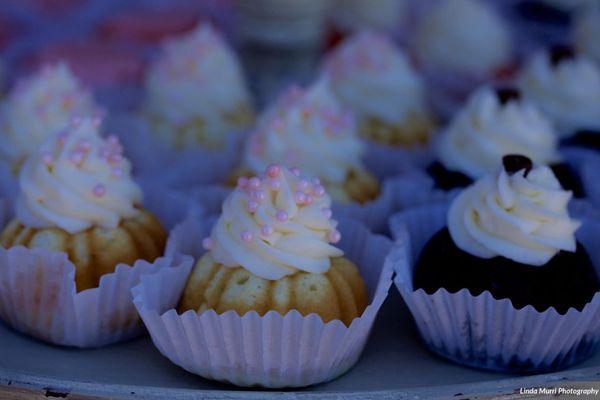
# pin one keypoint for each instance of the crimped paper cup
(150, 155)
(38, 298)
(274, 350)
(481, 331)
(38, 295)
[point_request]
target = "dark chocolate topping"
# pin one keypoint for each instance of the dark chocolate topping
(514, 163)
(506, 94)
(560, 53)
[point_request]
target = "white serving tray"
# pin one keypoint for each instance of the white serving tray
(394, 365)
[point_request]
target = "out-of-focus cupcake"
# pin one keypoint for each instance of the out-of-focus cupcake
(40, 106)
(587, 31)
(77, 196)
(195, 91)
(566, 87)
(460, 44)
(496, 122)
(375, 80)
(517, 271)
(311, 130)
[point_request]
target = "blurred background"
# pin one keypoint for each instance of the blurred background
(108, 43)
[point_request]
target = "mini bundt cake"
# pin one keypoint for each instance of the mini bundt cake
(77, 197)
(272, 250)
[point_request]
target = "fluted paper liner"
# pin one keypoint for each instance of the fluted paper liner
(38, 295)
(481, 331)
(273, 351)
(153, 157)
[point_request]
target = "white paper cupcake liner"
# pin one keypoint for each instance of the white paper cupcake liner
(483, 332)
(154, 158)
(272, 351)
(38, 298)
(38, 295)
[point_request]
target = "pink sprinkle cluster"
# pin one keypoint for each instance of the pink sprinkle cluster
(258, 188)
(110, 152)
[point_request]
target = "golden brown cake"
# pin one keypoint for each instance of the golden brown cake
(338, 294)
(95, 251)
(195, 131)
(272, 249)
(414, 131)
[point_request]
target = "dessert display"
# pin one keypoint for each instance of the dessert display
(496, 122)
(77, 197)
(515, 258)
(38, 107)
(566, 87)
(376, 81)
(186, 105)
(311, 130)
(251, 229)
(275, 264)
(273, 248)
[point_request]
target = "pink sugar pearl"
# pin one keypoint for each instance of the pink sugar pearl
(299, 197)
(273, 170)
(266, 230)
(335, 236)
(252, 206)
(207, 243)
(281, 216)
(242, 182)
(295, 171)
(254, 183)
(99, 190)
(319, 191)
(246, 236)
(303, 185)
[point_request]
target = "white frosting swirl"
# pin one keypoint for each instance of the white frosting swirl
(77, 180)
(39, 107)
(587, 31)
(485, 130)
(310, 130)
(269, 227)
(523, 218)
(197, 77)
(463, 36)
(568, 93)
(375, 79)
